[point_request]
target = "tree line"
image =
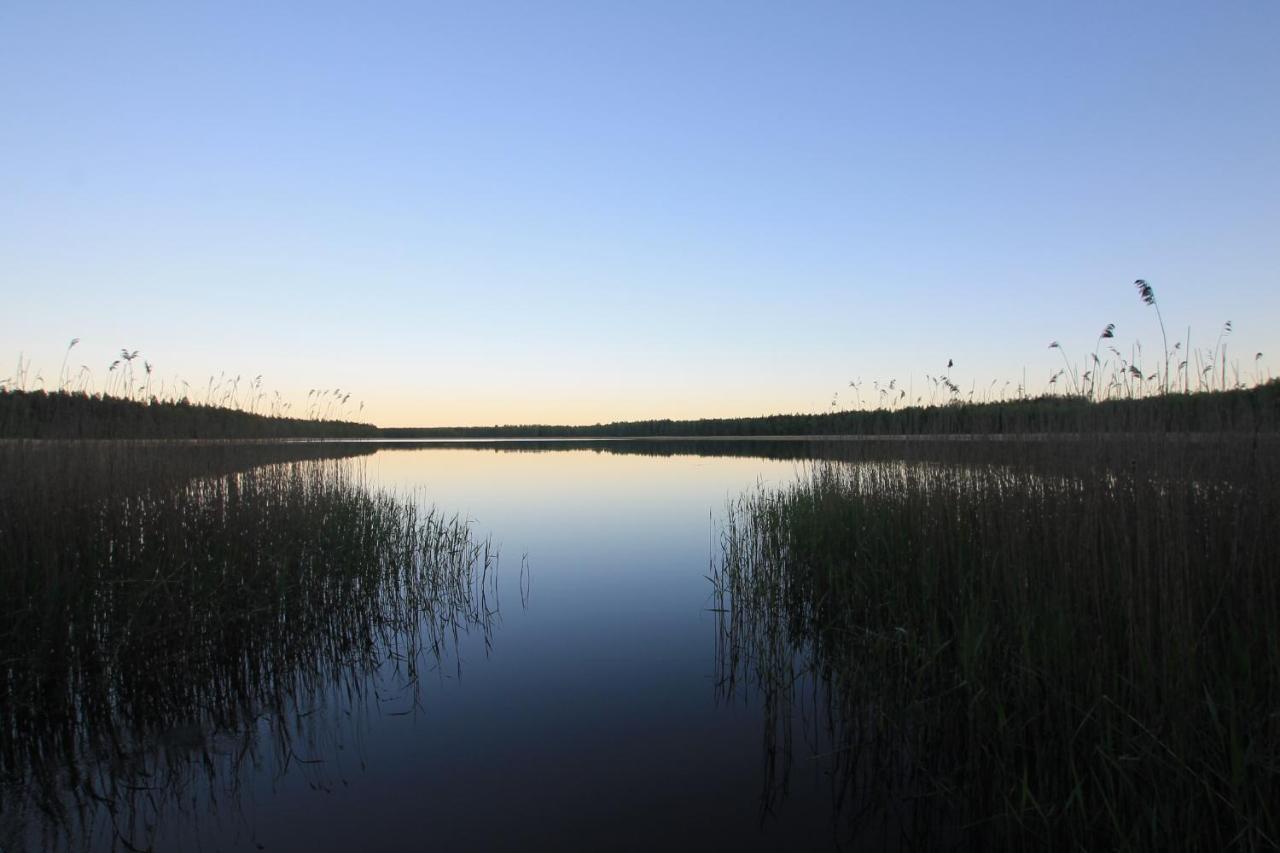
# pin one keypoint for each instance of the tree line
(61, 414)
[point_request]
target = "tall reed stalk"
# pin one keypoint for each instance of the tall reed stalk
(162, 604)
(1070, 647)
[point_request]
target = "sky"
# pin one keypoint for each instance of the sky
(574, 212)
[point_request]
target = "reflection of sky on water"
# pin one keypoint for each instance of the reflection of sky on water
(593, 723)
(607, 536)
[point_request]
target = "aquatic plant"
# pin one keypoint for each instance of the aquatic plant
(221, 392)
(1148, 296)
(1053, 646)
(164, 605)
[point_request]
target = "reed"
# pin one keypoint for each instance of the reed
(125, 405)
(1048, 647)
(78, 415)
(159, 599)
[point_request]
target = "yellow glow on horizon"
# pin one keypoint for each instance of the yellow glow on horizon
(569, 411)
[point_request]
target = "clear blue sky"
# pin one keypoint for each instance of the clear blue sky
(513, 212)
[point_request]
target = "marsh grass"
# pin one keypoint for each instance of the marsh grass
(1037, 647)
(121, 384)
(166, 613)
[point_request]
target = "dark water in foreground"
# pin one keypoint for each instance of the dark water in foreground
(587, 714)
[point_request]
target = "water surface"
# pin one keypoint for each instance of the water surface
(586, 712)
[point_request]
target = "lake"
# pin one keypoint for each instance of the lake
(637, 644)
(585, 709)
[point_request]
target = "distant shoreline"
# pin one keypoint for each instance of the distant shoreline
(64, 415)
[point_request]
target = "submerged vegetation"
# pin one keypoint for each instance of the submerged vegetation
(166, 610)
(1069, 647)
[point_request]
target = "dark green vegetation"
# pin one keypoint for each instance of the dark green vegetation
(1241, 410)
(167, 609)
(37, 414)
(1025, 646)
(66, 414)
(1184, 390)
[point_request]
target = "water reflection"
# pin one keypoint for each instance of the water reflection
(177, 617)
(222, 643)
(773, 655)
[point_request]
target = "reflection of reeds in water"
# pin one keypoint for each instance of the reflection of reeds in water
(1067, 656)
(156, 634)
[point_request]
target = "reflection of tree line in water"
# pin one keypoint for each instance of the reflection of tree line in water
(659, 447)
(162, 635)
(1209, 457)
(1080, 655)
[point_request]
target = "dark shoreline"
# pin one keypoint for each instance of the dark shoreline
(61, 415)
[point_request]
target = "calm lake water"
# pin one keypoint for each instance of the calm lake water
(590, 714)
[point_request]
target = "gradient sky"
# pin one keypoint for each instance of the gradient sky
(576, 212)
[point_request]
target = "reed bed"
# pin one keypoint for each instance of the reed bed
(1070, 647)
(141, 608)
